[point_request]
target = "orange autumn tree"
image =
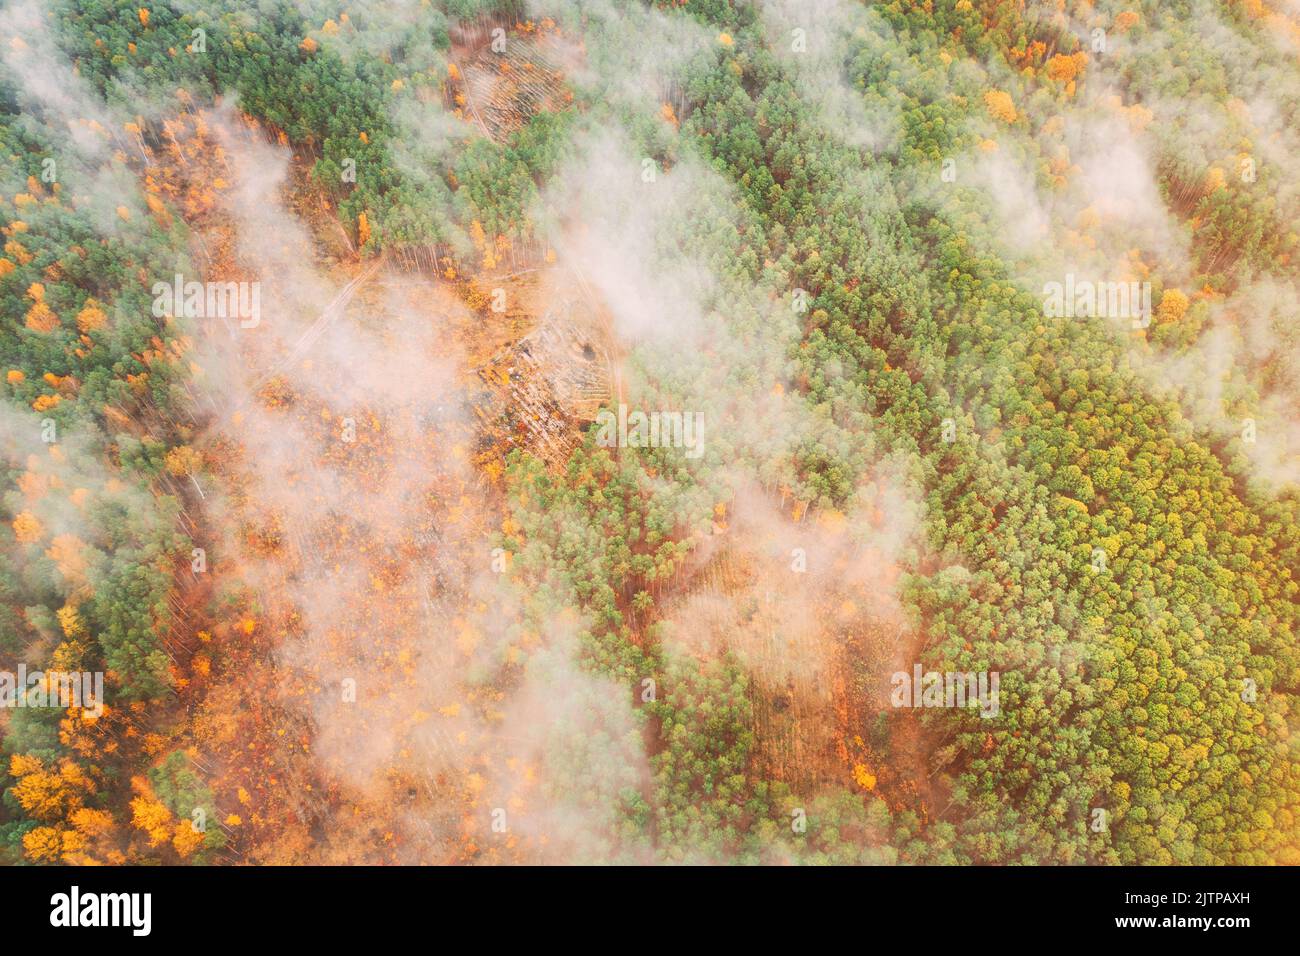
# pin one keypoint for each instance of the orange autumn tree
(40, 318)
(1065, 69)
(91, 317)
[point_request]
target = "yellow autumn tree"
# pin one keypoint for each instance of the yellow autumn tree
(186, 839)
(1173, 305)
(183, 460)
(93, 831)
(1000, 105)
(92, 823)
(479, 238)
(68, 656)
(151, 815)
(46, 794)
(18, 251)
(71, 622)
(43, 845)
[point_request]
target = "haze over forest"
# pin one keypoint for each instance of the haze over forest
(690, 431)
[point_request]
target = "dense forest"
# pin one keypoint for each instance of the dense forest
(367, 583)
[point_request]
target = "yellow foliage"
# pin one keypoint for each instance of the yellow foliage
(43, 845)
(152, 816)
(67, 657)
(863, 776)
(16, 249)
(51, 795)
(71, 621)
(182, 460)
(1000, 105)
(143, 14)
(92, 822)
(186, 839)
(20, 765)
(1173, 305)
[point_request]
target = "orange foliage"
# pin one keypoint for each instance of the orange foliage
(91, 316)
(40, 318)
(27, 529)
(1064, 69)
